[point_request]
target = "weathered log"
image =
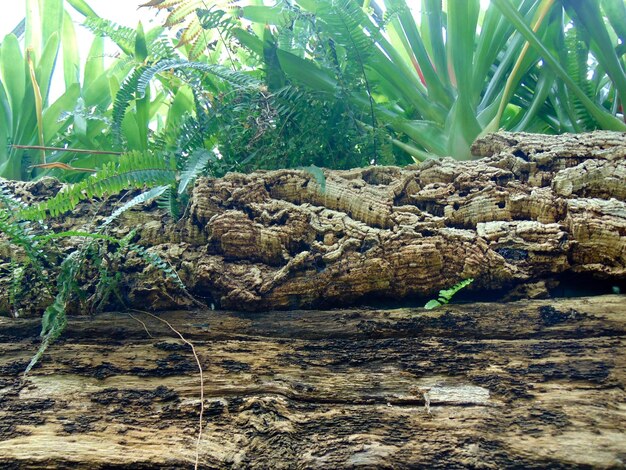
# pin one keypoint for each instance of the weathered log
(537, 384)
(535, 210)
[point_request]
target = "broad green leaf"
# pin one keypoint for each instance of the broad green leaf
(51, 123)
(429, 135)
(34, 32)
(274, 75)
(45, 67)
(616, 13)
(274, 15)
(13, 69)
(94, 66)
(141, 48)
(181, 105)
(51, 20)
(71, 59)
(462, 23)
(82, 7)
(589, 16)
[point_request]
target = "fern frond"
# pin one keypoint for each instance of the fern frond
(8, 199)
(18, 272)
(122, 36)
(153, 259)
(132, 170)
(123, 98)
(20, 234)
(235, 78)
(446, 295)
(54, 318)
(577, 57)
(168, 201)
(137, 200)
(196, 162)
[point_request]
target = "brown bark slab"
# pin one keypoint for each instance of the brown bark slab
(533, 211)
(532, 384)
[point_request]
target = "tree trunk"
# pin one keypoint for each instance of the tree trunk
(531, 214)
(531, 384)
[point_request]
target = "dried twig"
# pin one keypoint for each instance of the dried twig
(63, 149)
(195, 355)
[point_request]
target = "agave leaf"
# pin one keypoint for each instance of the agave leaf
(33, 33)
(82, 7)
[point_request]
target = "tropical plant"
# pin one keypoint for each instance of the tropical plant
(27, 118)
(441, 74)
(586, 54)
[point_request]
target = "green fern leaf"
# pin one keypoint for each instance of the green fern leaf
(137, 200)
(446, 295)
(132, 170)
(236, 78)
(197, 162)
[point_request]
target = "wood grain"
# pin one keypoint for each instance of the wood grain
(531, 384)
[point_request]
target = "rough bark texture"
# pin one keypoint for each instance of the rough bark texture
(537, 384)
(535, 209)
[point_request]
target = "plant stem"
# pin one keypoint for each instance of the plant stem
(62, 149)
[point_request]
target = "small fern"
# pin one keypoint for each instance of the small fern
(54, 318)
(446, 295)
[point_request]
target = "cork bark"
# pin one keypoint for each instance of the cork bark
(533, 213)
(530, 384)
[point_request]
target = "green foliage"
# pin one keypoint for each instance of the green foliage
(132, 170)
(439, 81)
(98, 253)
(54, 318)
(196, 163)
(140, 199)
(446, 295)
(78, 119)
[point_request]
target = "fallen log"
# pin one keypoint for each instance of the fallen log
(530, 384)
(534, 212)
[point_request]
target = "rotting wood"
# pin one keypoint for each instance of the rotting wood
(536, 208)
(533, 384)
